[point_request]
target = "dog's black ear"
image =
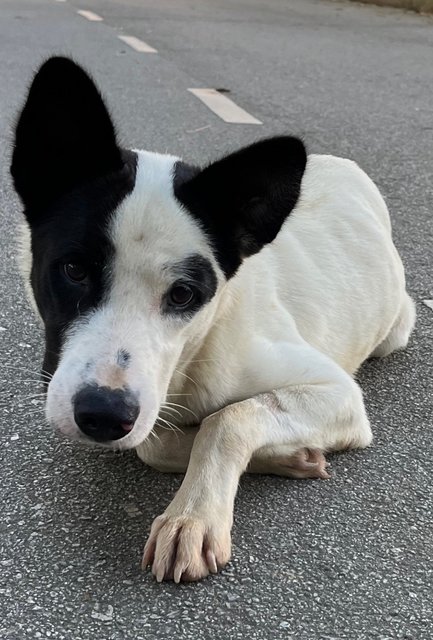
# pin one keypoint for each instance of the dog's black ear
(64, 136)
(243, 199)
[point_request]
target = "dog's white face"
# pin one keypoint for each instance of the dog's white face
(131, 251)
(160, 295)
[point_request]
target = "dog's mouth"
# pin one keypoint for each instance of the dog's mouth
(133, 435)
(111, 418)
(107, 434)
(127, 427)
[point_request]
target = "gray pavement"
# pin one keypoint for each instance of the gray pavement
(347, 559)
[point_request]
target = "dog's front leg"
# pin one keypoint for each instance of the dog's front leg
(192, 537)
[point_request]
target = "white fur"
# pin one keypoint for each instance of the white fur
(266, 367)
(25, 264)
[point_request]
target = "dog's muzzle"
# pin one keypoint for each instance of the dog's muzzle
(104, 414)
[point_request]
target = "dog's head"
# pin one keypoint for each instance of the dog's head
(131, 251)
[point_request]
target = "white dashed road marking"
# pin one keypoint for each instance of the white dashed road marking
(137, 44)
(429, 304)
(89, 15)
(225, 108)
(222, 106)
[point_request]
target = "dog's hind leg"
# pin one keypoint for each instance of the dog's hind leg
(400, 332)
(281, 461)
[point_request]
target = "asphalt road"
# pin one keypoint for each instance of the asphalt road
(346, 559)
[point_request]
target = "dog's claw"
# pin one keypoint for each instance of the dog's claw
(211, 561)
(177, 576)
(148, 555)
(160, 574)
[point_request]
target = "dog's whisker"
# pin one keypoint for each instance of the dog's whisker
(162, 426)
(15, 380)
(164, 420)
(181, 373)
(168, 395)
(27, 370)
(20, 403)
(155, 435)
(172, 426)
(32, 414)
(26, 380)
(173, 404)
(169, 415)
(15, 400)
(166, 409)
(191, 361)
(15, 392)
(18, 398)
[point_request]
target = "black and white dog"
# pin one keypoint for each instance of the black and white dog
(174, 296)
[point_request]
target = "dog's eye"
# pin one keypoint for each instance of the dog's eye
(180, 295)
(75, 272)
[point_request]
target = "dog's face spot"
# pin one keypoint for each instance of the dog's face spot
(123, 358)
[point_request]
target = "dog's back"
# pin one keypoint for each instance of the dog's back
(345, 280)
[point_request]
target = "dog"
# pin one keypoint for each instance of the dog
(211, 318)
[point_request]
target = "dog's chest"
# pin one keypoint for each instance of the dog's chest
(234, 366)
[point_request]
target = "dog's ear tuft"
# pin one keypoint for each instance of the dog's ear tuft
(64, 136)
(243, 199)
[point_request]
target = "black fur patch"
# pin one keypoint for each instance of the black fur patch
(242, 200)
(64, 136)
(71, 175)
(197, 273)
(74, 229)
(183, 172)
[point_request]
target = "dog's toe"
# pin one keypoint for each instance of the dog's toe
(307, 463)
(186, 548)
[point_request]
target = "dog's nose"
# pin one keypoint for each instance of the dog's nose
(105, 414)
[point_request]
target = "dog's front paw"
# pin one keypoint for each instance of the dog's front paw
(186, 548)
